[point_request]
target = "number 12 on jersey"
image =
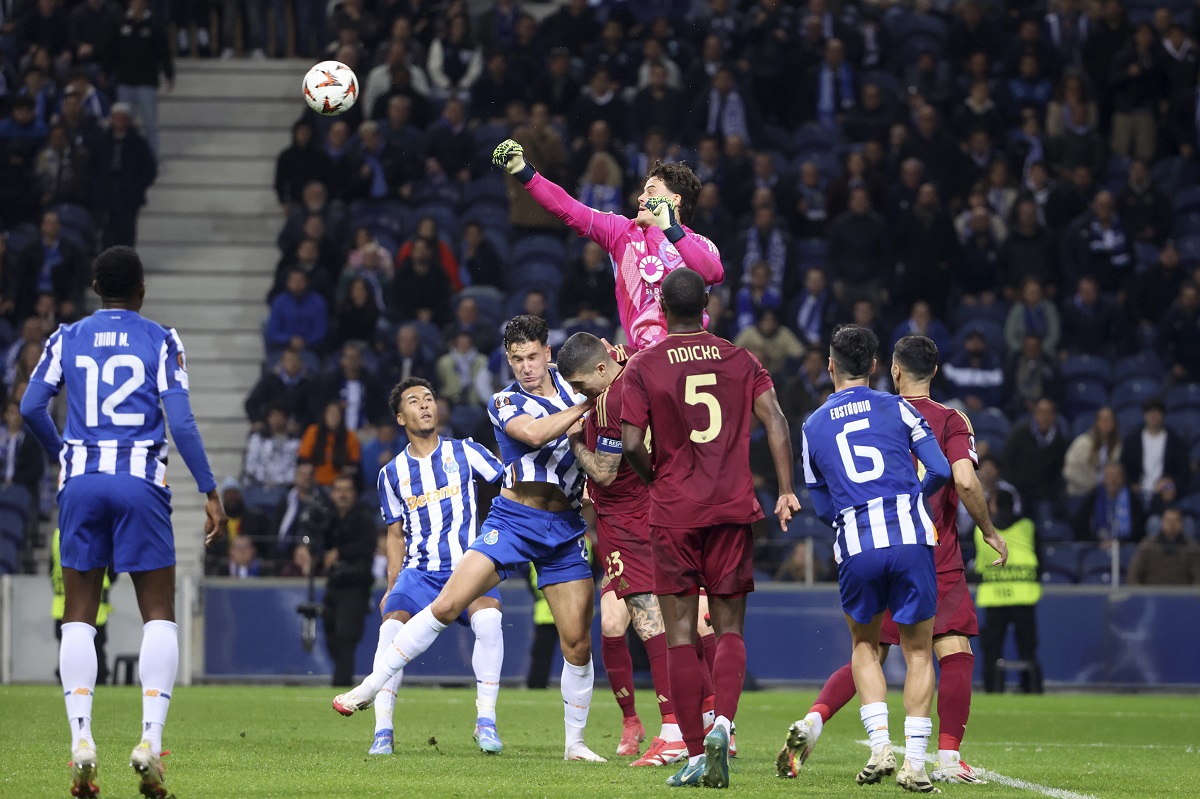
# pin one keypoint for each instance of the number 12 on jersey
(94, 373)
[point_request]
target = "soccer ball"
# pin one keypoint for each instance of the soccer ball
(330, 88)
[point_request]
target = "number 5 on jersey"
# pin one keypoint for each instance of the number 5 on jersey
(692, 395)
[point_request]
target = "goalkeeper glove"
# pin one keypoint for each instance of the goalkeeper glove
(664, 216)
(510, 156)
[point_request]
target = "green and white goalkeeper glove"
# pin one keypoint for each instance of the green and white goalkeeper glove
(510, 156)
(663, 209)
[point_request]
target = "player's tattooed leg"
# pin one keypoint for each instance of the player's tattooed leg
(646, 615)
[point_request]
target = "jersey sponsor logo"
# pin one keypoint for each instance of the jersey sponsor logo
(652, 268)
(430, 497)
(491, 537)
(501, 401)
(670, 252)
(151, 692)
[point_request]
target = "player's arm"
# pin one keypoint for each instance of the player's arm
(633, 446)
(779, 439)
(44, 384)
(540, 432)
(585, 221)
(701, 258)
(396, 549)
(937, 468)
(970, 491)
(601, 465)
(818, 489)
(483, 463)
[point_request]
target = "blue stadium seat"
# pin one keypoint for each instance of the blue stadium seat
(1082, 423)
(1062, 561)
(551, 247)
(12, 525)
(488, 186)
(1084, 395)
(773, 138)
(19, 236)
(1190, 505)
(992, 426)
(1132, 393)
(807, 525)
(1183, 397)
(538, 273)
(1054, 530)
(992, 331)
(75, 217)
(516, 302)
(890, 84)
(1129, 419)
(812, 143)
(17, 498)
(1116, 173)
(1144, 365)
(1174, 174)
(1186, 424)
(916, 43)
(1087, 367)
(1095, 566)
(1057, 578)
(499, 240)
(263, 499)
(489, 299)
(812, 252)
(489, 213)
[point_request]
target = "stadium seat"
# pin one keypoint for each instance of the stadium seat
(1054, 530)
(1174, 174)
(489, 300)
(1189, 249)
(1145, 365)
(807, 525)
(811, 252)
(992, 331)
(1057, 578)
(1183, 397)
(488, 186)
(551, 247)
(464, 419)
(537, 273)
(1095, 566)
(1083, 395)
(1082, 423)
(489, 213)
(1129, 419)
(1116, 173)
(262, 499)
(1062, 561)
(1087, 367)
(812, 143)
(12, 524)
(891, 86)
(16, 497)
(1186, 424)
(19, 236)
(1132, 393)
(990, 421)
(1190, 505)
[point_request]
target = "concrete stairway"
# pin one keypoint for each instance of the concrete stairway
(207, 236)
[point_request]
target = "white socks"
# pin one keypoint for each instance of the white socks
(487, 658)
(410, 643)
(875, 721)
(670, 733)
(385, 700)
(157, 664)
(721, 721)
(77, 665)
(577, 683)
(917, 731)
(816, 722)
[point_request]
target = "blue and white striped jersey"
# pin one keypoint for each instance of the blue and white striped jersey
(435, 499)
(858, 447)
(553, 463)
(116, 366)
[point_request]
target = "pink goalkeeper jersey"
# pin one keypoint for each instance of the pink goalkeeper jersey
(641, 258)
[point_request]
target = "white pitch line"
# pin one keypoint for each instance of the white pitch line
(1013, 782)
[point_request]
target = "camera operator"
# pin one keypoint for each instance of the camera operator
(350, 538)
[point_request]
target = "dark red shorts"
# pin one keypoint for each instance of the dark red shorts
(623, 545)
(719, 559)
(955, 610)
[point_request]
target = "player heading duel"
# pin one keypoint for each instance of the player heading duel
(697, 393)
(643, 250)
(121, 371)
(857, 457)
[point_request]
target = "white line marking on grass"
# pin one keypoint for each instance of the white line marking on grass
(1013, 782)
(1061, 745)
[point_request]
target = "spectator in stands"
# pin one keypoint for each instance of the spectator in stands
(455, 61)
(479, 258)
(814, 311)
(830, 89)
(62, 170)
(1031, 376)
(123, 168)
(590, 284)
(1111, 512)
(921, 322)
(765, 241)
(1154, 453)
(572, 27)
(22, 460)
(754, 296)
(1091, 453)
(1168, 558)
(774, 344)
(1155, 289)
(421, 289)
(299, 317)
(657, 106)
(287, 386)
(1179, 334)
(244, 562)
(22, 134)
(979, 278)
(330, 448)
(81, 128)
(1079, 144)
(356, 315)
(406, 360)
(349, 177)
(302, 163)
(1033, 315)
(467, 319)
(450, 145)
(809, 387)
(1143, 208)
(33, 334)
(600, 186)
(248, 529)
(855, 174)
(139, 56)
(932, 145)
(1029, 253)
(871, 119)
(371, 263)
(1136, 83)
(313, 201)
(555, 86)
(272, 452)
(1034, 455)
(349, 547)
(494, 89)
(810, 213)
(725, 111)
(462, 373)
(352, 386)
(49, 265)
(926, 245)
(1180, 64)
(89, 27)
(254, 28)
(427, 229)
(858, 251)
(974, 375)
(381, 450)
(1093, 324)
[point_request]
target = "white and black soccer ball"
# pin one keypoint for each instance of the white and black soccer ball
(330, 88)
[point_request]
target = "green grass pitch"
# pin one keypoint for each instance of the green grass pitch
(288, 743)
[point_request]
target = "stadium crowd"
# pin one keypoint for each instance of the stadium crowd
(990, 176)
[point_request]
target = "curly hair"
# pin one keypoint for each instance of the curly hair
(404, 385)
(679, 179)
(118, 273)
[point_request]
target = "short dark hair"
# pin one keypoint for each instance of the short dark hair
(526, 329)
(679, 179)
(404, 385)
(1154, 404)
(852, 349)
(118, 273)
(580, 354)
(684, 293)
(917, 355)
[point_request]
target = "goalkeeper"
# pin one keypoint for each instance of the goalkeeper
(643, 250)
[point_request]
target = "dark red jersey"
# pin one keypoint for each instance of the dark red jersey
(602, 433)
(956, 438)
(696, 392)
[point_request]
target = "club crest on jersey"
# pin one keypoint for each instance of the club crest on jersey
(652, 268)
(501, 401)
(491, 537)
(450, 465)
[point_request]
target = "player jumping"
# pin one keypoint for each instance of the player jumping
(914, 363)
(643, 250)
(428, 493)
(622, 505)
(535, 518)
(121, 371)
(697, 393)
(858, 468)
